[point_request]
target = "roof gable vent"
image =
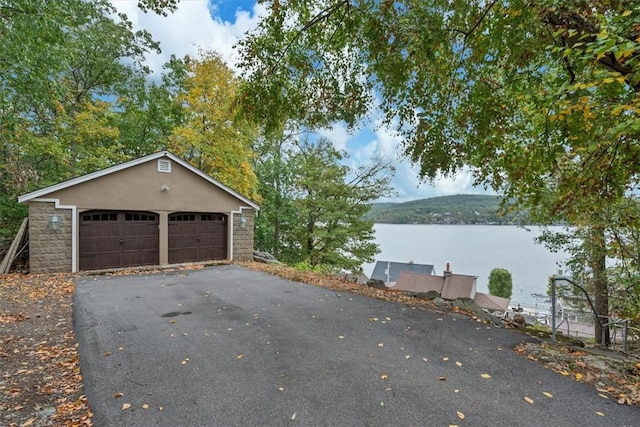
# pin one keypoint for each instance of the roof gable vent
(164, 165)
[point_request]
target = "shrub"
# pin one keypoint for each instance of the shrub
(500, 283)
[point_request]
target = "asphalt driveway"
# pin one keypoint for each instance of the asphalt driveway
(228, 346)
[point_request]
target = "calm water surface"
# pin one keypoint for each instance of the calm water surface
(474, 250)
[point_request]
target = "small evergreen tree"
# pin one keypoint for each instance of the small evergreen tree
(500, 283)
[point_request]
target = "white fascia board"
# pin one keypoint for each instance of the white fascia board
(211, 180)
(88, 177)
(84, 178)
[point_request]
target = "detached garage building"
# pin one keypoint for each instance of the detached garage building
(155, 210)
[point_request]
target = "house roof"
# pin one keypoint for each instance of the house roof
(84, 178)
(450, 287)
(380, 270)
(491, 302)
(459, 286)
(417, 282)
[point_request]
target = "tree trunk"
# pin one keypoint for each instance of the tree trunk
(600, 285)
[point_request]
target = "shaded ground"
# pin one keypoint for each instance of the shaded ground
(41, 385)
(40, 381)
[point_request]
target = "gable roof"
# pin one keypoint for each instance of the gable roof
(459, 286)
(417, 282)
(450, 287)
(395, 268)
(492, 302)
(88, 177)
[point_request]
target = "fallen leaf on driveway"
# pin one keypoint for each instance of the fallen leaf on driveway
(528, 399)
(145, 406)
(424, 359)
(486, 376)
(240, 356)
(380, 344)
(445, 359)
(600, 413)
(126, 406)
(28, 422)
(384, 377)
(185, 361)
(117, 395)
(442, 378)
(546, 393)
(293, 417)
(458, 364)
(460, 415)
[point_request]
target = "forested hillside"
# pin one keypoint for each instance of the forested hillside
(458, 209)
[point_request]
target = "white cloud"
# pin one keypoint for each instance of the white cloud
(338, 135)
(190, 28)
(376, 140)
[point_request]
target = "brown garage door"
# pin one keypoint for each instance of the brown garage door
(112, 239)
(197, 237)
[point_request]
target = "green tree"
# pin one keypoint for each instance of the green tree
(211, 135)
(275, 186)
(313, 211)
(539, 98)
(58, 75)
(500, 283)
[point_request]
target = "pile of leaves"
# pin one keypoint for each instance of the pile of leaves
(614, 375)
(40, 380)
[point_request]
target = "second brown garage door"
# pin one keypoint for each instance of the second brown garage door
(197, 237)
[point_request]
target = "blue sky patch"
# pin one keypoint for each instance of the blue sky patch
(226, 9)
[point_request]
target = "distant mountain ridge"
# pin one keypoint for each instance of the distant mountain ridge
(458, 209)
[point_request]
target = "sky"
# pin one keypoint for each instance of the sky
(219, 24)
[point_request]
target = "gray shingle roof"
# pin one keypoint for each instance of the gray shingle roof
(380, 270)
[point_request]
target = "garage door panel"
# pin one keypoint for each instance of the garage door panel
(197, 237)
(113, 239)
(103, 260)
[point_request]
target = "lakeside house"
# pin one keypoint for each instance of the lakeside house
(420, 278)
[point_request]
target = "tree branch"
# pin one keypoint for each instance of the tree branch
(586, 32)
(320, 16)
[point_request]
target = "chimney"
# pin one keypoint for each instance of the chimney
(447, 271)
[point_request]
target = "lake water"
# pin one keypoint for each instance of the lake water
(474, 250)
